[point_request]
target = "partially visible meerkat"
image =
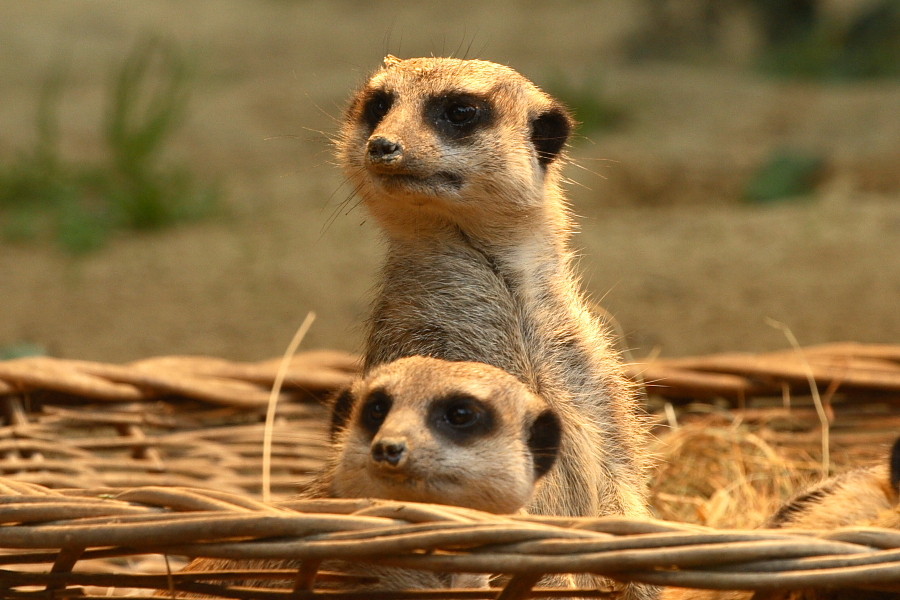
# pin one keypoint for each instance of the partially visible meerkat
(460, 161)
(427, 430)
(868, 496)
(865, 496)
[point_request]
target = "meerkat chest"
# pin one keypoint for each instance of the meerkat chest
(458, 302)
(449, 303)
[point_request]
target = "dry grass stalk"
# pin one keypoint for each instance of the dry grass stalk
(723, 475)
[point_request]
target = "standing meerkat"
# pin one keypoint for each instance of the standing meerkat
(426, 430)
(459, 162)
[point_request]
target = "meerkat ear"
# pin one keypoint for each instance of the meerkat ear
(390, 60)
(895, 466)
(549, 132)
(543, 441)
(341, 405)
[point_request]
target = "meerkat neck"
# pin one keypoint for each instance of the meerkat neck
(516, 307)
(532, 242)
(519, 269)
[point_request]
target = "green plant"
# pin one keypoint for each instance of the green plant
(35, 181)
(786, 174)
(866, 46)
(21, 350)
(144, 112)
(82, 204)
(588, 101)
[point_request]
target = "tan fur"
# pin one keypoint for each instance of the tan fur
(479, 268)
(493, 474)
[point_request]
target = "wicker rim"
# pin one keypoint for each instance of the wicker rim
(850, 366)
(41, 526)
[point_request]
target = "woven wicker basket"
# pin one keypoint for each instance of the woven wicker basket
(109, 467)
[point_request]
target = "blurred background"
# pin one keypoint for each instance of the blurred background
(167, 183)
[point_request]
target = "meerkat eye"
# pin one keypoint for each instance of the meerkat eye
(460, 113)
(456, 115)
(376, 107)
(375, 410)
(461, 418)
(462, 414)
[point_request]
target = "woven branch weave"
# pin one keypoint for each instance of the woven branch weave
(850, 366)
(197, 421)
(859, 367)
(42, 526)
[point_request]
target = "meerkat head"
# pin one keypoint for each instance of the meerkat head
(428, 430)
(452, 142)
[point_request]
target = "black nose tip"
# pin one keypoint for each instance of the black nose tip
(382, 149)
(389, 451)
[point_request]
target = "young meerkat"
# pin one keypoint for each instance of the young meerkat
(868, 496)
(460, 161)
(427, 430)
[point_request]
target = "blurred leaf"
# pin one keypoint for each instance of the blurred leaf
(865, 47)
(22, 350)
(588, 101)
(81, 204)
(787, 174)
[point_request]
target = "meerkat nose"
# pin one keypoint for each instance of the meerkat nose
(389, 451)
(384, 150)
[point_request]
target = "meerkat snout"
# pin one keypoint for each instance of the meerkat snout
(391, 451)
(384, 150)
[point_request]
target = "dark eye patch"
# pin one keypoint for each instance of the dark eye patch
(461, 418)
(457, 115)
(341, 406)
(376, 105)
(375, 410)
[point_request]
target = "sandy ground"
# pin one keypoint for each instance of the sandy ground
(667, 247)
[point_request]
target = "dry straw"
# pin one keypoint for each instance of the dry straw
(273, 403)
